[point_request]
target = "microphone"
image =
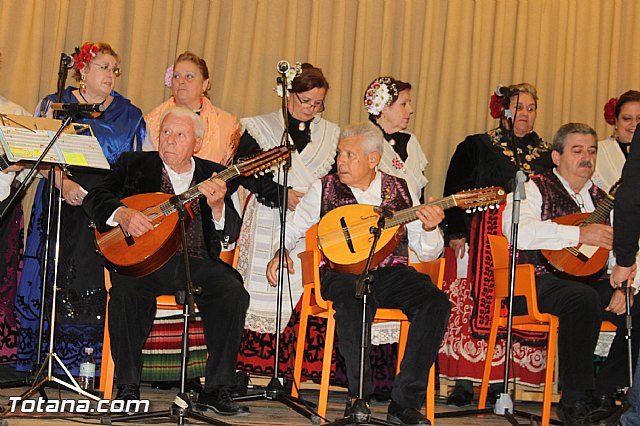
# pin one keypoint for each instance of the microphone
(77, 108)
(283, 66)
(503, 91)
(67, 60)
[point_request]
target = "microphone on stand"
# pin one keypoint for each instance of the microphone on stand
(67, 60)
(503, 91)
(283, 66)
(77, 108)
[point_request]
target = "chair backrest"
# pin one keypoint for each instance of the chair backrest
(525, 282)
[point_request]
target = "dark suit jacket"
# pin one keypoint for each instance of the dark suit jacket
(626, 226)
(141, 172)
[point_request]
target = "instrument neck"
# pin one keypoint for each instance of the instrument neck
(410, 214)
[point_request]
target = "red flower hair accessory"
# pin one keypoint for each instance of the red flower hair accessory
(495, 105)
(610, 111)
(83, 55)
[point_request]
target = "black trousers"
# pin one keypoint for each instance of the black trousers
(425, 305)
(222, 303)
(580, 308)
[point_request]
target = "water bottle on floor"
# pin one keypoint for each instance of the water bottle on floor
(87, 376)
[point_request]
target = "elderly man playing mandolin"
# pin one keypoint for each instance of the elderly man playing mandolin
(222, 300)
(549, 229)
(395, 285)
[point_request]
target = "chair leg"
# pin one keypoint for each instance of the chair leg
(486, 375)
(107, 366)
(326, 363)
(302, 337)
(431, 395)
(548, 376)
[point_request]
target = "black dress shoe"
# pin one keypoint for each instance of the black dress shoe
(405, 416)
(128, 392)
(219, 400)
(459, 397)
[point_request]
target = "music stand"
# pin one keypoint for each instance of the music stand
(182, 407)
(22, 144)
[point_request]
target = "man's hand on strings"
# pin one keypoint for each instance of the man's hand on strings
(133, 221)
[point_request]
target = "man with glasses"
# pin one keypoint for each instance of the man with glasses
(580, 303)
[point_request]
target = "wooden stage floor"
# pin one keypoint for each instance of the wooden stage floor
(262, 412)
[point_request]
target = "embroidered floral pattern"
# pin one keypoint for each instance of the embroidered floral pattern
(527, 155)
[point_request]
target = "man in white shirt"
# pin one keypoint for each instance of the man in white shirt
(580, 306)
(394, 284)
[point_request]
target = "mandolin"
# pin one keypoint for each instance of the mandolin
(140, 256)
(582, 260)
(344, 233)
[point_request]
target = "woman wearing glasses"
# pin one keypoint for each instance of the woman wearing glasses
(388, 102)
(189, 82)
(487, 159)
(314, 140)
(120, 128)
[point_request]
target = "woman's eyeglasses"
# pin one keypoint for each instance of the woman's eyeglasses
(318, 105)
(106, 68)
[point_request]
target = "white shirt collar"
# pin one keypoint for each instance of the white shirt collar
(180, 181)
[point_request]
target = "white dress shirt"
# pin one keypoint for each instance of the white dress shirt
(427, 245)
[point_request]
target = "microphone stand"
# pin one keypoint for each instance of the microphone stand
(360, 414)
(182, 407)
(275, 389)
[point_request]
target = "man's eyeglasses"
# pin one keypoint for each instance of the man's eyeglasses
(318, 105)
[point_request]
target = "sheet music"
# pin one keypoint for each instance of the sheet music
(71, 149)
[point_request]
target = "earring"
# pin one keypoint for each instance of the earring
(83, 82)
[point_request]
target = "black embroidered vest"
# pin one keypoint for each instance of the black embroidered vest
(556, 202)
(395, 196)
(195, 235)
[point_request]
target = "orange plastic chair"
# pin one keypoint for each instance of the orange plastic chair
(324, 309)
(525, 285)
(165, 301)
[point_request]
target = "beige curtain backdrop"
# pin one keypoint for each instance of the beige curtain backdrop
(579, 53)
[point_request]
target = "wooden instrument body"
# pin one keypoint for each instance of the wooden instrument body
(140, 256)
(568, 263)
(359, 220)
(345, 233)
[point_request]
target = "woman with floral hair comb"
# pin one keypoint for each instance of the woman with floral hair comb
(624, 115)
(81, 307)
(388, 102)
(314, 140)
(486, 159)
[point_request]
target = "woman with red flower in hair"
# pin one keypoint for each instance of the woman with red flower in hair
(624, 115)
(485, 159)
(82, 296)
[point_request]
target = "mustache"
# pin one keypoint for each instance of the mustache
(585, 164)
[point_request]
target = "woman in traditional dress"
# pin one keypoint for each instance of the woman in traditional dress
(388, 102)
(82, 296)
(189, 82)
(624, 115)
(315, 140)
(188, 79)
(11, 230)
(485, 159)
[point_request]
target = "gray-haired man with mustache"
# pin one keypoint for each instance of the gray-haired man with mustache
(581, 305)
